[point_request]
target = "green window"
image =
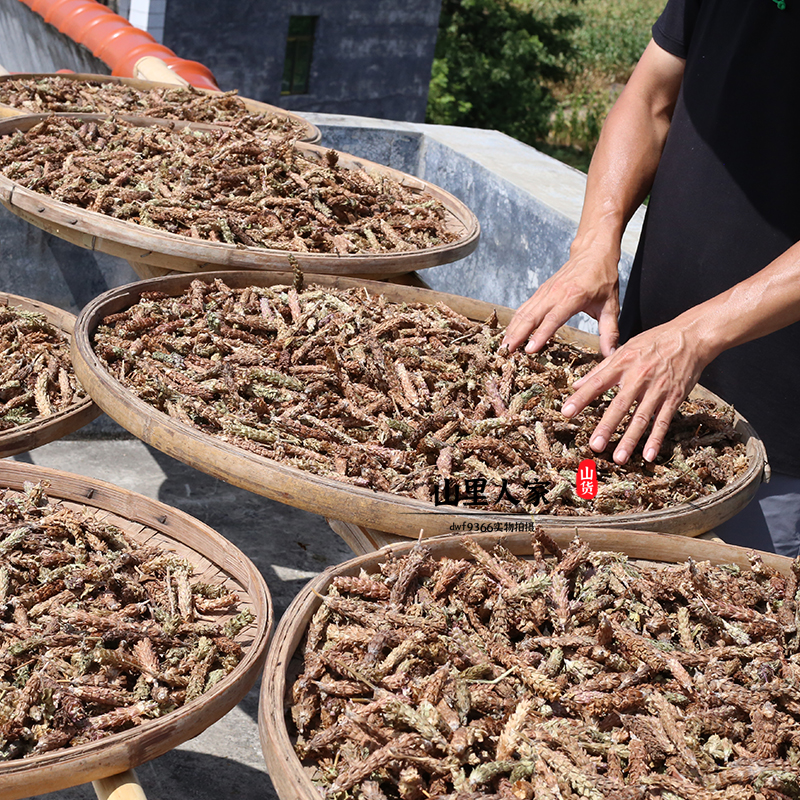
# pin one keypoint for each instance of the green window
(299, 50)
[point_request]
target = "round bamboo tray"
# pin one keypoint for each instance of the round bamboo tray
(291, 780)
(307, 132)
(42, 430)
(215, 560)
(350, 505)
(154, 252)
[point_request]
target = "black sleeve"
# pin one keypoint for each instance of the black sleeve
(673, 29)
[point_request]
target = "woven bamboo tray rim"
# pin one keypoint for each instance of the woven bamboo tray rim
(341, 501)
(291, 779)
(215, 560)
(307, 131)
(42, 430)
(156, 248)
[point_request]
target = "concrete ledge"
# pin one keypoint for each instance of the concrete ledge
(29, 44)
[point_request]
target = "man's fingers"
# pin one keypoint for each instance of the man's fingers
(658, 434)
(617, 409)
(547, 327)
(589, 387)
(523, 323)
(609, 330)
(654, 372)
(640, 419)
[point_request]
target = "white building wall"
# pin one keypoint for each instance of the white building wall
(148, 15)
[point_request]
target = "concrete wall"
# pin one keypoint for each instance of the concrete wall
(371, 57)
(28, 44)
(38, 265)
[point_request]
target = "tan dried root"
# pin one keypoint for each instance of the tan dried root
(92, 638)
(389, 705)
(36, 376)
(222, 185)
(391, 397)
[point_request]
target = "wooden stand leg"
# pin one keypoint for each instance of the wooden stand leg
(363, 540)
(145, 271)
(150, 68)
(124, 786)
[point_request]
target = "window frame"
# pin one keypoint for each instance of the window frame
(299, 55)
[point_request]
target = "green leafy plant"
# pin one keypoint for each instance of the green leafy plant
(544, 71)
(496, 61)
(606, 47)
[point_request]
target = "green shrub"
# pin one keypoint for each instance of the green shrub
(606, 47)
(496, 61)
(544, 71)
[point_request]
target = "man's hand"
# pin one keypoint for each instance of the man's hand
(655, 371)
(585, 283)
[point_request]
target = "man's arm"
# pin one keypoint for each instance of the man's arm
(658, 368)
(620, 176)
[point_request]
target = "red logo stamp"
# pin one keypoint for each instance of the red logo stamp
(586, 479)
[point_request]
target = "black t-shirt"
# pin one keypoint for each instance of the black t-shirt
(726, 196)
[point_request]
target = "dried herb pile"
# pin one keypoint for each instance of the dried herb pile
(42, 95)
(36, 376)
(573, 674)
(222, 185)
(396, 398)
(98, 633)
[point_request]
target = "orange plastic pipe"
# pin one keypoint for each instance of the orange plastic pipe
(114, 40)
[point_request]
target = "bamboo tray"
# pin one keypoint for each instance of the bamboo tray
(42, 430)
(291, 780)
(363, 510)
(215, 561)
(151, 251)
(307, 132)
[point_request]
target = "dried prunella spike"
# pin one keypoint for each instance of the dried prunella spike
(36, 375)
(297, 274)
(61, 94)
(223, 184)
(98, 633)
(620, 704)
(405, 398)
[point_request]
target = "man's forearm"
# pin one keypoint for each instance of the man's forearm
(627, 155)
(755, 307)
(620, 176)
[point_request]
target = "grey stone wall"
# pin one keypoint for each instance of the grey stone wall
(29, 44)
(523, 241)
(371, 57)
(41, 266)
